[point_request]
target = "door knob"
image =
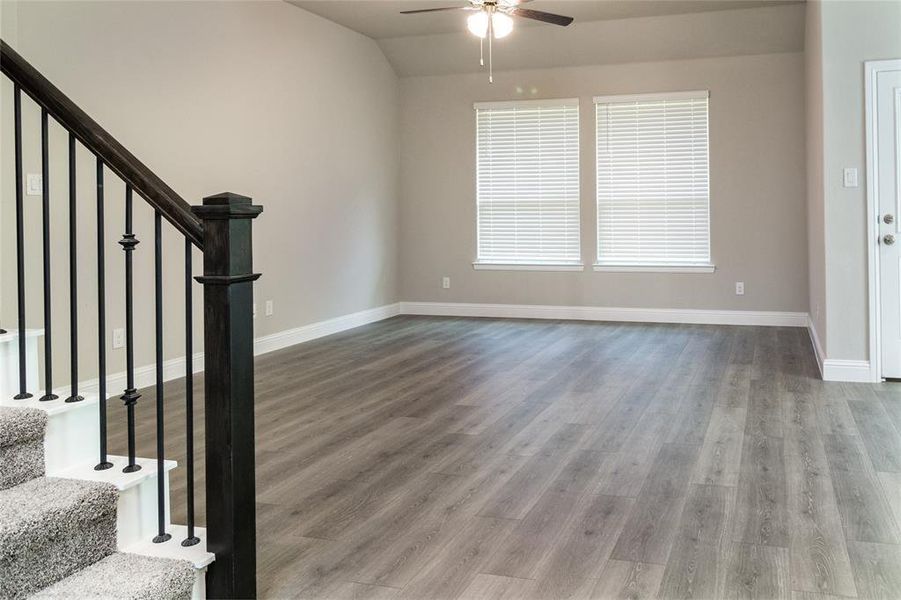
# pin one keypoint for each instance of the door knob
(888, 219)
(888, 239)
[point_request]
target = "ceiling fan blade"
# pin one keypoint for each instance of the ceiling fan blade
(425, 10)
(539, 15)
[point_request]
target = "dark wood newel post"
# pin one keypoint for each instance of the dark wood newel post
(228, 379)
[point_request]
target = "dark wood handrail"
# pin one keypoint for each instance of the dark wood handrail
(122, 162)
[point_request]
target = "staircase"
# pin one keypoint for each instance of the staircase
(58, 535)
(76, 521)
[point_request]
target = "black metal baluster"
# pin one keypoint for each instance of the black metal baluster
(101, 319)
(131, 395)
(45, 212)
(73, 277)
(189, 393)
(20, 246)
(161, 536)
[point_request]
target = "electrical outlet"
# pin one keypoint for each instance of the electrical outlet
(254, 310)
(739, 288)
(118, 338)
(34, 184)
(445, 282)
(269, 310)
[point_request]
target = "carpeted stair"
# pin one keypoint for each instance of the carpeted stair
(61, 533)
(122, 575)
(21, 445)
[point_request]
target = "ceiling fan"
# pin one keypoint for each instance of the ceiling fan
(491, 19)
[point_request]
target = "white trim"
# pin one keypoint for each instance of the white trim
(871, 69)
(688, 95)
(12, 335)
(299, 335)
(815, 342)
(174, 368)
(145, 376)
(857, 371)
(600, 267)
(488, 266)
(604, 313)
(526, 103)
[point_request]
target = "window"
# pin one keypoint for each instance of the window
(653, 197)
(527, 185)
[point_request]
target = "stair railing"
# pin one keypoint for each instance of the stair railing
(221, 229)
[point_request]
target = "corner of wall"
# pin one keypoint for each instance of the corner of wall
(816, 224)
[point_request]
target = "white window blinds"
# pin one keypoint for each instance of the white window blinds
(527, 185)
(653, 200)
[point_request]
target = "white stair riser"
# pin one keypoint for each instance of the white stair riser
(137, 512)
(199, 591)
(9, 365)
(71, 438)
(196, 555)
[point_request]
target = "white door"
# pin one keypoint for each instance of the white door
(888, 197)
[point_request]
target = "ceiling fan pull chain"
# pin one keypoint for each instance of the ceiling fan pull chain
(491, 18)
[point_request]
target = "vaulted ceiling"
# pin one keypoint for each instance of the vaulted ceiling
(380, 19)
(604, 32)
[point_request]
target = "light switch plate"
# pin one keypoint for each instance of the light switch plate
(849, 177)
(34, 184)
(118, 338)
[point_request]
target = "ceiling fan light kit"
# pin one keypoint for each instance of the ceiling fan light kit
(501, 24)
(492, 21)
(477, 23)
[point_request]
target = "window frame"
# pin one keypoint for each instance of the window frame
(601, 265)
(480, 264)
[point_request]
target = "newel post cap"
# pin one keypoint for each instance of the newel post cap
(227, 205)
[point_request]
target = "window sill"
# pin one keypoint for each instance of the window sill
(485, 266)
(655, 268)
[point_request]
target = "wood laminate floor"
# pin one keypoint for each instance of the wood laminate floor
(428, 458)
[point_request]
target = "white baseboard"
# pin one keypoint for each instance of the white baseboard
(174, 368)
(602, 313)
(145, 376)
(283, 339)
(832, 369)
(817, 347)
(847, 370)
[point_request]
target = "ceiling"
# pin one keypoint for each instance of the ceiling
(381, 19)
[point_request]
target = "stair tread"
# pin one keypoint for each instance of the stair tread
(196, 554)
(51, 407)
(12, 335)
(127, 576)
(20, 425)
(48, 507)
(115, 475)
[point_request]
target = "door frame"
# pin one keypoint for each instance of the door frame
(871, 69)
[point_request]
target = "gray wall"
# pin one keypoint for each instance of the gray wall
(259, 98)
(849, 34)
(757, 136)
